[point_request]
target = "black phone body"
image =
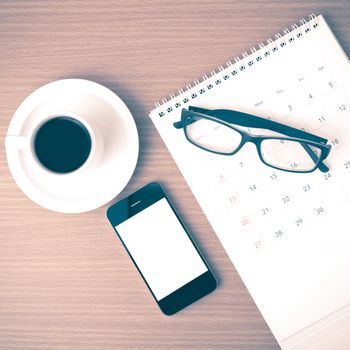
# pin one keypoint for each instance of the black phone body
(161, 248)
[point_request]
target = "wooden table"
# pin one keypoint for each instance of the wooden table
(65, 280)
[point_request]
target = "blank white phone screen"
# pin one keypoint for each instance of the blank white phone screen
(161, 249)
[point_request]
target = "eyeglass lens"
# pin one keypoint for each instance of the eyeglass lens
(289, 155)
(211, 135)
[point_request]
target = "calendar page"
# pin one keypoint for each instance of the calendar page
(286, 233)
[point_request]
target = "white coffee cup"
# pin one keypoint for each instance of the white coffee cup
(26, 143)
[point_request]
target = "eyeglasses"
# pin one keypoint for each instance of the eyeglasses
(213, 131)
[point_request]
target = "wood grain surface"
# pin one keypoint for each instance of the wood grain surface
(65, 280)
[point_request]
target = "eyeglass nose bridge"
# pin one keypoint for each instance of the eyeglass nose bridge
(250, 138)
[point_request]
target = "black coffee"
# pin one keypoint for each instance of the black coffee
(62, 144)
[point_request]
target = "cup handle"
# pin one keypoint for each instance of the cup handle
(17, 142)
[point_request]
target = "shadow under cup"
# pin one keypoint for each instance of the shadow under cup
(62, 144)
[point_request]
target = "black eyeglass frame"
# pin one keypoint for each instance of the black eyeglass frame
(228, 117)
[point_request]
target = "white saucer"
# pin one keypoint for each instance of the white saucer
(78, 191)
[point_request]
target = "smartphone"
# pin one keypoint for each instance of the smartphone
(161, 248)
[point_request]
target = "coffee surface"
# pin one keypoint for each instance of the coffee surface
(62, 144)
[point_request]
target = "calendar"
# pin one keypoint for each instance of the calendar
(287, 234)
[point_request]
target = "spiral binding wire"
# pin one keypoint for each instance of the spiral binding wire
(216, 77)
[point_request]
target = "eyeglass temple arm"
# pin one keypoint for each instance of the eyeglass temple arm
(248, 120)
(323, 167)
